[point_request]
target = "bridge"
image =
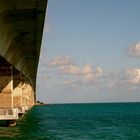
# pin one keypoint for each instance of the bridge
(21, 28)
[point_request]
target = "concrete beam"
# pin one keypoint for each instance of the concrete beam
(21, 34)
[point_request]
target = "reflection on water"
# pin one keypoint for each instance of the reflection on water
(9, 132)
(77, 122)
(28, 128)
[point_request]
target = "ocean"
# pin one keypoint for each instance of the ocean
(105, 121)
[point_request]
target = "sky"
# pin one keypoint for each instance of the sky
(90, 52)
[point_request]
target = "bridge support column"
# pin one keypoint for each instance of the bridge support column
(7, 111)
(28, 95)
(16, 97)
(23, 96)
(6, 90)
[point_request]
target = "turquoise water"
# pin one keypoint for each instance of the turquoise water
(77, 122)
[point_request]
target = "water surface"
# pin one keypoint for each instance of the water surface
(113, 121)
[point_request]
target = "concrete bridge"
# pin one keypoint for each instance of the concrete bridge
(21, 27)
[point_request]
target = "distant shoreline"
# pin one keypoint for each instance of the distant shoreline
(40, 104)
(86, 103)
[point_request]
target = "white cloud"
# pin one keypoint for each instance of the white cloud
(87, 69)
(72, 69)
(123, 80)
(99, 71)
(82, 76)
(85, 73)
(133, 76)
(134, 50)
(67, 66)
(93, 77)
(60, 61)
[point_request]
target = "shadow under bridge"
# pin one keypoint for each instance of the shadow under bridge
(21, 28)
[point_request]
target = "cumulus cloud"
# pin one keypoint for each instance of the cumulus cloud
(71, 69)
(134, 50)
(86, 71)
(133, 76)
(67, 66)
(90, 73)
(78, 76)
(122, 80)
(99, 71)
(60, 61)
(82, 76)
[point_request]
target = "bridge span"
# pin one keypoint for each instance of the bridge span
(21, 28)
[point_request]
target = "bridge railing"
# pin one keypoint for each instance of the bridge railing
(9, 114)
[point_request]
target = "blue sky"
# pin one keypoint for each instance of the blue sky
(90, 52)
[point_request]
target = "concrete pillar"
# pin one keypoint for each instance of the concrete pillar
(6, 90)
(17, 91)
(28, 95)
(16, 96)
(22, 93)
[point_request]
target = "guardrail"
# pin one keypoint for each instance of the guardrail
(9, 114)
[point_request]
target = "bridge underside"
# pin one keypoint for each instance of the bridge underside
(21, 27)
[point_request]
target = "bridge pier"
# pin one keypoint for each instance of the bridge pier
(21, 28)
(16, 95)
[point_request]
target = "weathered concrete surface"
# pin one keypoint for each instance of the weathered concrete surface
(21, 26)
(6, 92)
